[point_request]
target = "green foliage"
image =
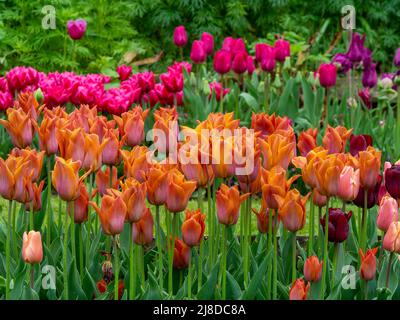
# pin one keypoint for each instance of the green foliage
(144, 28)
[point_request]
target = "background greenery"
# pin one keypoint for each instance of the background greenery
(140, 29)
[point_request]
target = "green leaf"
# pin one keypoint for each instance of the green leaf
(74, 284)
(207, 290)
(250, 100)
(152, 291)
(89, 285)
(254, 284)
(233, 291)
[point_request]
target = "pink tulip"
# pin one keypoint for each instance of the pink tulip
(76, 28)
(208, 41)
(124, 72)
(327, 75)
(349, 183)
(282, 48)
(391, 241)
(268, 60)
(222, 61)
(180, 36)
(239, 63)
(250, 65)
(32, 250)
(198, 53)
(388, 212)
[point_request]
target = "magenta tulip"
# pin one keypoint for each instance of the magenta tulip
(76, 28)
(222, 61)
(198, 53)
(180, 36)
(327, 75)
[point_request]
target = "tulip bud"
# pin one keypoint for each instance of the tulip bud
(368, 264)
(181, 255)
(359, 143)
(222, 61)
(228, 204)
(396, 59)
(142, 231)
(388, 212)
(299, 290)
(198, 53)
(327, 75)
(180, 36)
(239, 63)
(338, 228)
(318, 199)
(208, 41)
(392, 181)
(391, 240)
(312, 269)
(32, 250)
(282, 49)
(76, 28)
(193, 227)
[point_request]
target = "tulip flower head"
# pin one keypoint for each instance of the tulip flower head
(134, 195)
(338, 225)
(327, 75)
(19, 126)
(370, 163)
(32, 250)
(299, 290)
(312, 269)
(368, 264)
(228, 204)
(142, 230)
(349, 183)
(222, 61)
(124, 72)
(193, 228)
(391, 240)
(181, 255)
(179, 191)
(81, 205)
(76, 28)
(293, 211)
(180, 36)
(392, 181)
(388, 212)
(359, 143)
(198, 53)
(208, 41)
(282, 49)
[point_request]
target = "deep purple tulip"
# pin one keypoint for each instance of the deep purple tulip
(372, 196)
(239, 63)
(396, 60)
(208, 40)
(222, 61)
(392, 181)
(338, 227)
(76, 28)
(198, 53)
(343, 61)
(282, 50)
(356, 48)
(180, 36)
(359, 143)
(327, 75)
(369, 77)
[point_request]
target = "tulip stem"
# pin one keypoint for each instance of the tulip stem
(334, 263)
(14, 226)
(221, 100)
(159, 249)
(32, 276)
(31, 223)
(275, 262)
(65, 253)
(116, 268)
(171, 254)
(319, 228)
(110, 178)
(59, 214)
(364, 222)
(398, 124)
(73, 245)
(389, 266)
(80, 239)
(89, 221)
(324, 266)
(266, 92)
(132, 273)
(224, 254)
(246, 245)
(48, 202)
(311, 229)
(189, 282)
(210, 224)
(200, 266)
(294, 257)
(365, 290)
(8, 249)
(269, 247)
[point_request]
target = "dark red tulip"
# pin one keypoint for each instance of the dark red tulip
(198, 53)
(338, 228)
(359, 143)
(222, 61)
(208, 40)
(180, 36)
(239, 63)
(282, 49)
(392, 181)
(372, 196)
(327, 75)
(365, 96)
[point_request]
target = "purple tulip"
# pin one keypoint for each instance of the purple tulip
(239, 63)
(369, 77)
(222, 61)
(396, 60)
(198, 53)
(343, 61)
(356, 48)
(180, 36)
(338, 225)
(372, 195)
(282, 50)
(359, 143)
(327, 75)
(208, 40)
(76, 28)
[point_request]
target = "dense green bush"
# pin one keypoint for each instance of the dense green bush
(143, 28)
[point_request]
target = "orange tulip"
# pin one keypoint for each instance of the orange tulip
(7, 181)
(131, 124)
(299, 290)
(277, 150)
(391, 240)
(134, 195)
(136, 164)
(335, 139)
(293, 211)
(157, 184)
(35, 196)
(82, 117)
(179, 191)
(328, 173)
(349, 183)
(263, 219)
(166, 129)
(112, 212)
(47, 135)
(370, 163)
(228, 204)
(19, 126)
(103, 180)
(32, 250)
(142, 230)
(193, 227)
(71, 144)
(33, 158)
(307, 141)
(65, 178)
(368, 264)
(93, 152)
(99, 125)
(266, 124)
(111, 154)
(312, 269)
(275, 186)
(222, 157)
(27, 102)
(81, 205)
(181, 255)
(219, 121)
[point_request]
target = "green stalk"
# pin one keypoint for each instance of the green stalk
(8, 249)
(116, 268)
(246, 246)
(111, 176)
(266, 92)
(334, 263)
(80, 239)
(318, 230)
(324, 266)
(31, 223)
(32, 276)
(200, 266)
(190, 275)
(14, 226)
(73, 245)
(389, 267)
(132, 274)
(364, 221)
(65, 253)
(275, 262)
(221, 100)
(210, 224)
(311, 229)
(294, 257)
(48, 202)
(224, 252)
(159, 248)
(269, 248)
(89, 221)
(365, 290)
(171, 254)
